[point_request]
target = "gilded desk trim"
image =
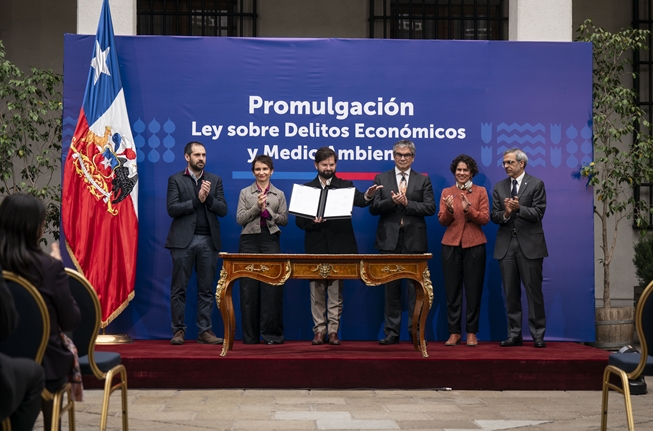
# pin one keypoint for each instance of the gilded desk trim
(372, 269)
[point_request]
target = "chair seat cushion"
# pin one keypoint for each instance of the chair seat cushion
(104, 361)
(629, 361)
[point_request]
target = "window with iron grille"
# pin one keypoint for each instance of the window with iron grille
(439, 19)
(643, 68)
(197, 17)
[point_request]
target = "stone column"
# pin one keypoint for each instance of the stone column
(123, 14)
(540, 20)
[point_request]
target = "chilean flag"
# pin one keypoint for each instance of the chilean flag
(99, 205)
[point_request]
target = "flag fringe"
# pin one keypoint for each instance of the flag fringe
(120, 309)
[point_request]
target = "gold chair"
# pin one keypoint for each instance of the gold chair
(631, 365)
(103, 365)
(23, 343)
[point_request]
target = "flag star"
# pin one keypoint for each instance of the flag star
(106, 163)
(99, 63)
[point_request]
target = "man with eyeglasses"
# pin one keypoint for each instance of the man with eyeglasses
(403, 202)
(518, 205)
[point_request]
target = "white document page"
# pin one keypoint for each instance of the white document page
(339, 203)
(304, 200)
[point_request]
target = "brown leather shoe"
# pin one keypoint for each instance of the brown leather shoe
(208, 337)
(318, 339)
(178, 338)
(454, 340)
(333, 339)
(472, 341)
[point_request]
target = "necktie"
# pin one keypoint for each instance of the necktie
(513, 193)
(402, 189)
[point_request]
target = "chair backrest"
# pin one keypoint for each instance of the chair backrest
(31, 336)
(89, 306)
(644, 321)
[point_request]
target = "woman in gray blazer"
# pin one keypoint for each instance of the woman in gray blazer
(261, 210)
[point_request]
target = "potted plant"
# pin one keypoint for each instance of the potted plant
(30, 136)
(618, 164)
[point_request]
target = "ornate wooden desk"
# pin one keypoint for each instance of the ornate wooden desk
(372, 269)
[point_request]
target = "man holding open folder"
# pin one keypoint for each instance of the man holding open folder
(324, 236)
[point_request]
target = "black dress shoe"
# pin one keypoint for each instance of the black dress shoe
(539, 343)
(390, 339)
(273, 342)
(512, 342)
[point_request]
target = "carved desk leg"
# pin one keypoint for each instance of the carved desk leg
(418, 327)
(225, 304)
(424, 312)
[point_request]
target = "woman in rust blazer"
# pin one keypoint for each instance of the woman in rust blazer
(464, 210)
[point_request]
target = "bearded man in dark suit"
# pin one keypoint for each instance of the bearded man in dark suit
(518, 205)
(405, 199)
(195, 201)
(329, 237)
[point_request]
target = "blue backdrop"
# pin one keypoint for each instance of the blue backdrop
(288, 97)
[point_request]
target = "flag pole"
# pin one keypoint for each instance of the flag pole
(101, 184)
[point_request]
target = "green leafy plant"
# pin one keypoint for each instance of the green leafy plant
(30, 136)
(643, 260)
(616, 117)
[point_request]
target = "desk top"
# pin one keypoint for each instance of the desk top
(303, 256)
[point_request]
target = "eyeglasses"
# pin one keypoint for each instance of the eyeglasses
(403, 155)
(508, 162)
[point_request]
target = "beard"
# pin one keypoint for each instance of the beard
(197, 167)
(327, 175)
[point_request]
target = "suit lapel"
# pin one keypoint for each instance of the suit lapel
(524, 184)
(392, 179)
(412, 182)
(507, 187)
(188, 182)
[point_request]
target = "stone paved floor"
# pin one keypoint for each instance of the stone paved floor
(194, 410)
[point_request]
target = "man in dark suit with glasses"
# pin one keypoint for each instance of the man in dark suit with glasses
(403, 202)
(518, 205)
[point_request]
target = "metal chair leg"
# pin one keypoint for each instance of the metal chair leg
(108, 390)
(624, 389)
(604, 399)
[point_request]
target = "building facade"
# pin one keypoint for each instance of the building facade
(32, 32)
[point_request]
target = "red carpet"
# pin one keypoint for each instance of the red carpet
(361, 364)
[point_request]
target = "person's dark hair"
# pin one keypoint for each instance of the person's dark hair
(265, 159)
(324, 153)
(470, 162)
(21, 221)
(188, 149)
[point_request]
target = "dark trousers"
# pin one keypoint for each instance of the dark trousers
(202, 255)
(261, 304)
(463, 267)
(393, 297)
(21, 384)
(516, 269)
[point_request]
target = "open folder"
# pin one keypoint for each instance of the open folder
(325, 203)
